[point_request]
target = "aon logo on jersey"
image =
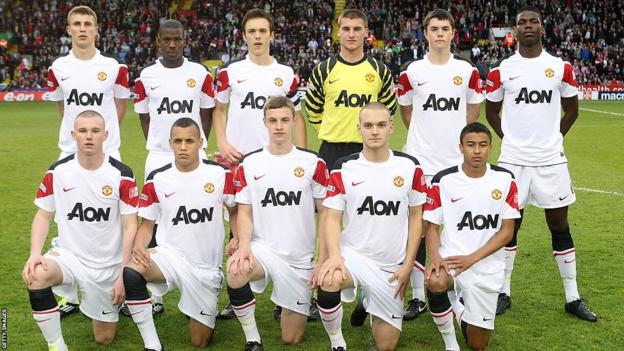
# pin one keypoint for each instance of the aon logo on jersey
(175, 106)
(379, 207)
(441, 104)
(534, 96)
(254, 102)
(193, 215)
(89, 214)
(352, 100)
(478, 222)
(84, 99)
(281, 198)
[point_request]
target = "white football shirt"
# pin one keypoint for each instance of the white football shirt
(88, 205)
(189, 209)
(246, 86)
(531, 90)
(438, 95)
(375, 199)
(88, 85)
(472, 211)
(281, 190)
(168, 94)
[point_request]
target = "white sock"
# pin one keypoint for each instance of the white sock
(246, 315)
(141, 312)
(444, 322)
(49, 322)
(332, 321)
(510, 257)
(417, 278)
(566, 260)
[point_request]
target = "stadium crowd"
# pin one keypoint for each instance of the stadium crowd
(588, 34)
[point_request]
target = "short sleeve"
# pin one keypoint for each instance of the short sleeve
(335, 192)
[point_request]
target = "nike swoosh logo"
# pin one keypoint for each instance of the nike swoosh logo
(64, 78)
(132, 314)
(570, 261)
(167, 195)
(258, 177)
(68, 189)
(395, 317)
(455, 200)
(156, 87)
(43, 320)
(486, 319)
(512, 78)
(563, 198)
(301, 303)
(204, 314)
(356, 184)
(333, 81)
(439, 325)
(423, 83)
(329, 320)
(241, 80)
(105, 312)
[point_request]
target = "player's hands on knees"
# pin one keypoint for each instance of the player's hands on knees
(119, 291)
(241, 261)
(231, 246)
(141, 256)
(28, 274)
(435, 266)
(312, 282)
(402, 276)
(229, 152)
(458, 264)
(326, 272)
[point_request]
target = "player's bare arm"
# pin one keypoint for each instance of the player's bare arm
(206, 120)
(121, 105)
(414, 234)
(129, 225)
(229, 152)
(570, 108)
(322, 250)
(244, 225)
(61, 107)
(500, 239)
(406, 115)
(301, 133)
(331, 238)
(145, 123)
(472, 112)
(141, 240)
(492, 114)
(432, 240)
(38, 234)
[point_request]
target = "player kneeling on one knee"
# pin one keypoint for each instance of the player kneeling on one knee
(477, 203)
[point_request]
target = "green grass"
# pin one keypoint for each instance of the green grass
(537, 321)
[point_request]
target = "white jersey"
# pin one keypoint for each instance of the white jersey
(168, 94)
(531, 90)
(88, 85)
(472, 211)
(189, 209)
(281, 190)
(439, 95)
(88, 205)
(246, 86)
(374, 198)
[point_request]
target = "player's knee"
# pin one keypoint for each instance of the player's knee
(292, 337)
(105, 338)
(386, 344)
(476, 344)
(335, 284)
(236, 281)
(41, 278)
(200, 340)
(436, 284)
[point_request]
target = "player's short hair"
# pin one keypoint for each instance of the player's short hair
(529, 8)
(90, 114)
(257, 13)
(353, 14)
(82, 10)
(439, 14)
(376, 106)
(275, 102)
(475, 127)
(172, 24)
(185, 122)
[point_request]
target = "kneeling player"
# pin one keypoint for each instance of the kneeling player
(93, 199)
(477, 204)
(186, 197)
(381, 193)
(277, 188)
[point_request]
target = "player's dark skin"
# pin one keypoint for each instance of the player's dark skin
(529, 33)
(171, 44)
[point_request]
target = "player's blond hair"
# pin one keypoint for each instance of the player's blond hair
(82, 10)
(353, 14)
(275, 102)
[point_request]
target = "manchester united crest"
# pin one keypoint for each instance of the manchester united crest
(496, 194)
(370, 77)
(152, 250)
(299, 172)
(191, 83)
(102, 76)
(53, 253)
(549, 72)
(278, 82)
(107, 190)
(209, 188)
(457, 80)
(398, 181)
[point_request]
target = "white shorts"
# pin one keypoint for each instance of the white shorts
(290, 281)
(156, 159)
(96, 285)
(114, 154)
(480, 294)
(374, 281)
(199, 287)
(543, 187)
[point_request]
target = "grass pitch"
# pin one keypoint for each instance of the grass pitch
(536, 321)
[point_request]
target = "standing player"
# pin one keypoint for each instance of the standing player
(477, 204)
(93, 198)
(533, 86)
(340, 86)
(187, 197)
(278, 188)
(85, 79)
(438, 95)
(378, 193)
